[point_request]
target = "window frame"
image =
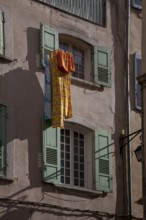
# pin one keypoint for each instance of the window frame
(88, 156)
(94, 180)
(85, 47)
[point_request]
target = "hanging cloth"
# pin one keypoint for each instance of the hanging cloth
(61, 93)
(65, 61)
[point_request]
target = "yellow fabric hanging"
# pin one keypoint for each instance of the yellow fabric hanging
(61, 93)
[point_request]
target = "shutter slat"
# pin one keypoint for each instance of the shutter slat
(51, 154)
(103, 172)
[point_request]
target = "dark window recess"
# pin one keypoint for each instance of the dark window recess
(137, 4)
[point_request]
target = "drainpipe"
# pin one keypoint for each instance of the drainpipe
(128, 110)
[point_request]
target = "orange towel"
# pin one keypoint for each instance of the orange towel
(65, 61)
(61, 93)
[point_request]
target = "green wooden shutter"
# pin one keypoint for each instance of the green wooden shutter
(137, 68)
(51, 154)
(1, 33)
(2, 140)
(102, 66)
(49, 40)
(103, 161)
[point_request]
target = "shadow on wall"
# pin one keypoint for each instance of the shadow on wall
(118, 32)
(22, 93)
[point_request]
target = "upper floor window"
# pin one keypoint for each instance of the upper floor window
(137, 4)
(78, 55)
(90, 10)
(92, 62)
(77, 156)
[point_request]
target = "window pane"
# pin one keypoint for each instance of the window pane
(64, 46)
(78, 159)
(65, 156)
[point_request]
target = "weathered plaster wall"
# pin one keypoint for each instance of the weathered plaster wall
(135, 115)
(21, 90)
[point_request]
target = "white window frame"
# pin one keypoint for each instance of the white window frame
(88, 156)
(86, 48)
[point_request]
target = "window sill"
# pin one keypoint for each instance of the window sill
(5, 59)
(86, 84)
(80, 191)
(7, 179)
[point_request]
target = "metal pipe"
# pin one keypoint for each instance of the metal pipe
(128, 109)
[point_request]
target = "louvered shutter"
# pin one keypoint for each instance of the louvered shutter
(1, 33)
(91, 10)
(2, 139)
(51, 154)
(103, 159)
(49, 41)
(137, 85)
(102, 66)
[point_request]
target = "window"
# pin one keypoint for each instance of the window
(137, 69)
(100, 74)
(2, 140)
(78, 55)
(72, 157)
(137, 4)
(77, 156)
(90, 10)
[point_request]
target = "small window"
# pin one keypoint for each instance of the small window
(137, 4)
(71, 157)
(78, 55)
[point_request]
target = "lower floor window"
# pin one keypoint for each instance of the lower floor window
(72, 158)
(77, 156)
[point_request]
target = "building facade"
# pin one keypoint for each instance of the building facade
(82, 170)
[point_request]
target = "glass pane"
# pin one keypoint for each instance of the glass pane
(62, 155)
(82, 183)
(67, 172)
(64, 46)
(67, 164)
(67, 180)
(67, 140)
(62, 147)
(76, 182)
(81, 175)
(62, 179)
(76, 166)
(67, 156)
(76, 175)
(62, 139)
